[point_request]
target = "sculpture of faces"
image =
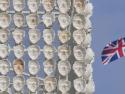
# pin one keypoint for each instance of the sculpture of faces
(18, 83)
(64, 20)
(88, 10)
(64, 5)
(18, 20)
(18, 51)
(90, 87)
(33, 67)
(4, 4)
(33, 5)
(4, 67)
(18, 66)
(64, 86)
(79, 36)
(88, 40)
(3, 36)
(18, 35)
(64, 52)
(34, 35)
(64, 67)
(79, 6)
(79, 52)
(4, 51)
(80, 85)
(48, 19)
(32, 20)
(4, 20)
(64, 36)
(48, 5)
(32, 84)
(79, 21)
(50, 84)
(33, 52)
(4, 83)
(48, 36)
(49, 52)
(18, 5)
(49, 67)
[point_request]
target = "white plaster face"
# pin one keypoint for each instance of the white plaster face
(32, 21)
(32, 84)
(49, 67)
(4, 4)
(88, 40)
(4, 51)
(3, 36)
(19, 51)
(48, 19)
(4, 83)
(34, 35)
(48, 52)
(88, 10)
(64, 5)
(64, 20)
(90, 87)
(80, 85)
(33, 67)
(33, 52)
(18, 20)
(50, 84)
(79, 36)
(48, 5)
(4, 20)
(18, 5)
(64, 67)
(48, 36)
(33, 5)
(79, 21)
(4, 67)
(64, 36)
(64, 86)
(64, 52)
(18, 35)
(79, 52)
(18, 83)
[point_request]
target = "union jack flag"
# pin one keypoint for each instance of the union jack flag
(113, 51)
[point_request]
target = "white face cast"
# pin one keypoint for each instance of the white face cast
(48, 52)
(4, 4)
(80, 85)
(34, 36)
(64, 86)
(48, 36)
(3, 35)
(79, 36)
(88, 9)
(48, 19)
(33, 5)
(88, 40)
(4, 51)
(79, 52)
(33, 52)
(50, 84)
(32, 21)
(18, 83)
(49, 67)
(33, 67)
(78, 21)
(64, 20)
(64, 67)
(64, 36)
(18, 20)
(64, 5)
(64, 52)
(4, 83)
(4, 20)
(32, 84)
(90, 87)
(19, 51)
(4, 67)
(18, 5)
(48, 5)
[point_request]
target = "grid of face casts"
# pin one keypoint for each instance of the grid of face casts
(45, 47)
